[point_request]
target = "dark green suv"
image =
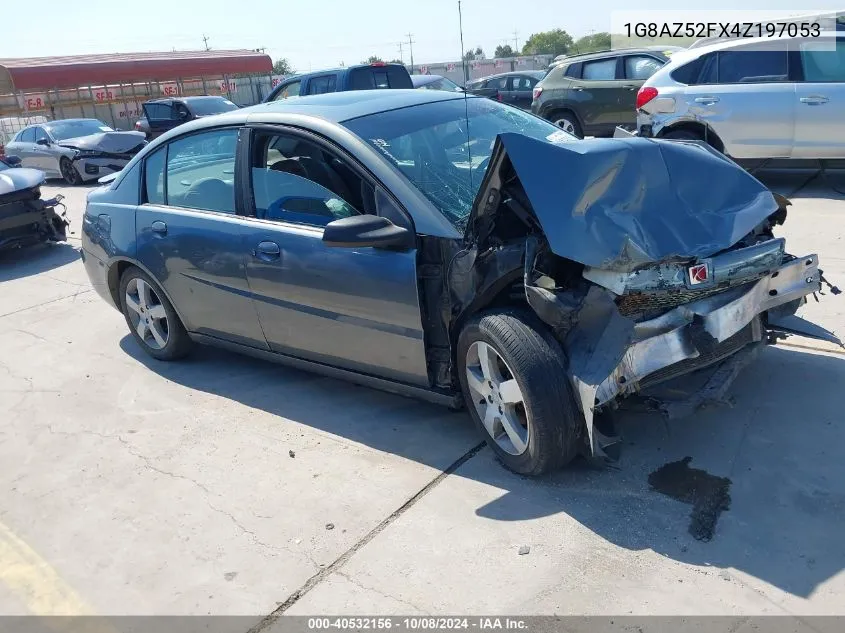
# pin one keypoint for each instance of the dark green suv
(594, 93)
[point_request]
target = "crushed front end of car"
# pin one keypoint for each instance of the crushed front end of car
(102, 154)
(25, 218)
(649, 260)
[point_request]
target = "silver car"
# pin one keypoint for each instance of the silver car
(78, 150)
(752, 99)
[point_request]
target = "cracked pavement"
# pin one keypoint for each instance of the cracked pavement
(154, 488)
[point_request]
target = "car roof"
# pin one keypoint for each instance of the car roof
(580, 57)
(337, 107)
(421, 80)
(324, 71)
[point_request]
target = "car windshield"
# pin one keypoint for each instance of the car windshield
(443, 147)
(62, 130)
(211, 105)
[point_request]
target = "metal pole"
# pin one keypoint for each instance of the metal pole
(463, 56)
(79, 101)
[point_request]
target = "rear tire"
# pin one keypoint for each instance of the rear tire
(153, 322)
(567, 122)
(522, 404)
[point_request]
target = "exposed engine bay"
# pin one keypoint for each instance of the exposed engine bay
(639, 265)
(25, 218)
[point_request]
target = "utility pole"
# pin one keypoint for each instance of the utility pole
(411, 45)
(205, 42)
(516, 42)
(401, 53)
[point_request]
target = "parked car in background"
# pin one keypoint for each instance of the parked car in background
(592, 94)
(361, 77)
(435, 82)
(356, 238)
(161, 115)
(78, 150)
(25, 218)
(514, 88)
(752, 99)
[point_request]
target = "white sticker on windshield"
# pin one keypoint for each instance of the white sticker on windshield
(560, 137)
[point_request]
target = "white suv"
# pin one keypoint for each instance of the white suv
(754, 98)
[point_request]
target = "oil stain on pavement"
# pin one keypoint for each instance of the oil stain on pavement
(708, 494)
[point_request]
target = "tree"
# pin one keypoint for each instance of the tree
(283, 67)
(504, 51)
(591, 43)
(556, 42)
(396, 61)
(470, 55)
(372, 59)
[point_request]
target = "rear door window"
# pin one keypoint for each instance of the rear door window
(373, 77)
(158, 111)
(201, 171)
(600, 70)
(573, 70)
(752, 66)
(322, 84)
(641, 66)
(821, 64)
(27, 136)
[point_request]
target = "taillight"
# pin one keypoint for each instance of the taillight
(537, 92)
(138, 125)
(499, 96)
(644, 95)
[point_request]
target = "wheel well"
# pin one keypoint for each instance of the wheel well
(115, 273)
(564, 110)
(704, 131)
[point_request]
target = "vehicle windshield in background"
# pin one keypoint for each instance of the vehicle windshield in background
(211, 105)
(443, 84)
(433, 147)
(62, 130)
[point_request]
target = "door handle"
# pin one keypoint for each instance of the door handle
(267, 251)
(159, 227)
(631, 87)
(707, 100)
(578, 89)
(814, 100)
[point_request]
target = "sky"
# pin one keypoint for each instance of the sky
(314, 34)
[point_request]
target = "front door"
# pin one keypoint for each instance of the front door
(45, 156)
(355, 308)
(189, 237)
(820, 100)
(161, 117)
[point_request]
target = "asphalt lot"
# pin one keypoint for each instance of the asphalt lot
(227, 485)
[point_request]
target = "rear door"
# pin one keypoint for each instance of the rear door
(24, 148)
(161, 117)
(745, 95)
(820, 104)
(597, 95)
(321, 84)
(635, 70)
(521, 91)
(189, 236)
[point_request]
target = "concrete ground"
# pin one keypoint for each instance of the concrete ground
(226, 485)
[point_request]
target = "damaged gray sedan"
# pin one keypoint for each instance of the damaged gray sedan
(454, 249)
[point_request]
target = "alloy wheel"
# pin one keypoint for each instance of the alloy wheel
(497, 398)
(69, 172)
(147, 314)
(566, 125)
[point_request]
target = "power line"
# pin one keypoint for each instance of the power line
(205, 42)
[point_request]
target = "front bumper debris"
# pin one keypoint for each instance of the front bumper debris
(611, 355)
(29, 220)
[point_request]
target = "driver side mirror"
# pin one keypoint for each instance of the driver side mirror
(13, 161)
(43, 141)
(182, 115)
(367, 230)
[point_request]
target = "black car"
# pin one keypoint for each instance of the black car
(378, 75)
(515, 88)
(161, 115)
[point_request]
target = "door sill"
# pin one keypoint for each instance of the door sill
(443, 398)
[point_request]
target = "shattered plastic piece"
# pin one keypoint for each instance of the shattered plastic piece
(291, 454)
(329, 526)
(524, 550)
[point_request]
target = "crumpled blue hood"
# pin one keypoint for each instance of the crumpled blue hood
(15, 179)
(620, 204)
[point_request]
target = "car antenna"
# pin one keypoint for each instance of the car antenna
(466, 78)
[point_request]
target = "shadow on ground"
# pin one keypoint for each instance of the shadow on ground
(33, 260)
(780, 445)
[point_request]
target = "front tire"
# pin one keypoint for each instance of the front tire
(153, 322)
(514, 381)
(69, 172)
